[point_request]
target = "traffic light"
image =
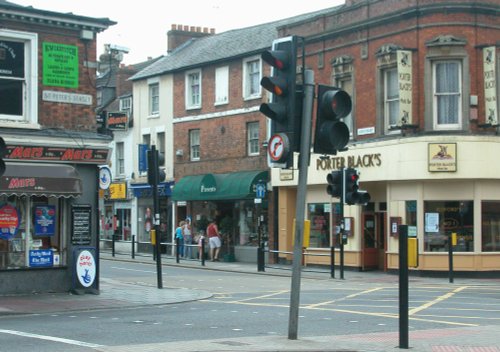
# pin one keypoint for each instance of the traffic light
(351, 193)
(335, 181)
(3, 153)
(285, 106)
(331, 134)
(155, 174)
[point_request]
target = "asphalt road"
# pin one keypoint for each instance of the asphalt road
(249, 305)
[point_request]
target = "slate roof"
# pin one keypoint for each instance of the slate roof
(220, 47)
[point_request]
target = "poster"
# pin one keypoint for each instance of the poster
(60, 65)
(45, 216)
(9, 221)
(431, 222)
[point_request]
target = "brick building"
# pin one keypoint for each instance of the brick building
(423, 76)
(48, 193)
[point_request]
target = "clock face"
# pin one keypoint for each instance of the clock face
(104, 177)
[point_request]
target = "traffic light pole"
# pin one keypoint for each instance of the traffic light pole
(304, 158)
(156, 216)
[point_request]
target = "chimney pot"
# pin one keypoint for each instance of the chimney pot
(186, 28)
(192, 29)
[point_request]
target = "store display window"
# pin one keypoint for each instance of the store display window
(30, 232)
(490, 226)
(319, 215)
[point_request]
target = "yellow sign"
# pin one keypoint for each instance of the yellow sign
(118, 190)
(412, 252)
(307, 233)
(442, 157)
(152, 233)
(454, 239)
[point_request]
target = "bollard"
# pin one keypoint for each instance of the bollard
(177, 250)
(260, 258)
(332, 262)
(133, 246)
(113, 238)
(202, 254)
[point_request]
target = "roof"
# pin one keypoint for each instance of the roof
(28, 13)
(222, 46)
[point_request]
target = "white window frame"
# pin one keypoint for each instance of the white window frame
(194, 145)
(126, 104)
(253, 131)
(435, 95)
(247, 78)
(221, 85)
(29, 117)
(193, 101)
(120, 158)
(390, 100)
(154, 98)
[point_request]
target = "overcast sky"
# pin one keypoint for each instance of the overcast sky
(142, 25)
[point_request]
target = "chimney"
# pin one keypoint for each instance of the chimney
(179, 34)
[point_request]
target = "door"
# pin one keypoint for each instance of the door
(374, 244)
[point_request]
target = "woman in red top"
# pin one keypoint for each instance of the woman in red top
(213, 240)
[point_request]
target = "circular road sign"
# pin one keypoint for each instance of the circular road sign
(278, 147)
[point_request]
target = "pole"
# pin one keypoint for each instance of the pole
(332, 262)
(304, 158)
(450, 258)
(156, 212)
(342, 225)
(403, 286)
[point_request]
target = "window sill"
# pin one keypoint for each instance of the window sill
(20, 124)
(154, 116)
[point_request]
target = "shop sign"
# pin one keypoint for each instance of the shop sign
(60, 65)
(404, 58)
(117, 121)
(41, 258)
(86, 268)
(118, 190)
(31, 152)
(354, 161)
(9, 222)
(442, 157)
(80, 224)
(45, 220)
(68, 98)
(490, 87)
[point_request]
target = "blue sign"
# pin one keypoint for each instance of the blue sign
(41, 258)
(143, 158)
(45, 216)
(260, 190)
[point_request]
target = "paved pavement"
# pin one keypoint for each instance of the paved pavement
(118, 294)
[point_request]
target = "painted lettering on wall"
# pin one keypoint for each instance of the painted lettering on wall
(359, 161)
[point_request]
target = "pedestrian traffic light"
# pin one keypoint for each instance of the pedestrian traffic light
(351, 193)
(155, 173)
(3, 153)
(331, 134)
(335, 181)
(285, 106)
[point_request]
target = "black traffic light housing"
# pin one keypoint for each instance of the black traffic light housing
(3, 153)
(335, 181)
(155, 173)
(331, 134)
(351, 193)
(285, 106)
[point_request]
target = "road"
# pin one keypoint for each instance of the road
(246, 305)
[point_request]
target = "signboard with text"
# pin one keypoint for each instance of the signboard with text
(60, 65)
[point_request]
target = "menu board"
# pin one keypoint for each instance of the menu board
(81, 224)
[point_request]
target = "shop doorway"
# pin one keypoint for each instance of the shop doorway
(374, 243)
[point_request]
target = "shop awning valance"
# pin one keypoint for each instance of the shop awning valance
(235, 185)
(50, 180)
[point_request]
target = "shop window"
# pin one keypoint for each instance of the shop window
(319, 215)
(18, 77)
(30, 236)
(411, 212)
(442, 218)
(490, 228)
(123, 229)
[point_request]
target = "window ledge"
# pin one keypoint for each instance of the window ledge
(20, 124)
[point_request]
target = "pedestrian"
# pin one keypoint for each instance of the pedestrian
(180, 239)
(201, 245)
(188, 239)
(213, 240)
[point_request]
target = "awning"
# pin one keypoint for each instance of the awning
(50, 180)
(143, 190)
(236, 185)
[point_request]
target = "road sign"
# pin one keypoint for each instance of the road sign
(260, 190)
(278, 148)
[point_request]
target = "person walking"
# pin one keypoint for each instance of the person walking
(213, 240)
(188, 239)
(180, 239)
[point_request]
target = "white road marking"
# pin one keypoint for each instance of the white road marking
(51, 338)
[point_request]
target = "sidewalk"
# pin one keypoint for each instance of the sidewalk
(116, 294)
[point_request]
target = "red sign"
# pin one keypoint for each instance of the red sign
(9, 221)
(82, 155)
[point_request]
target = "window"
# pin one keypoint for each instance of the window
(490, 214)
(154, 99)
(193, 89)
(253, 138)
(126, 105)
(146, 139)
(319, 215)
(391, 97)
(160, 145)
(18, 76)
(194, 144)
(442, 218)
(120, 158)
(447, 90)
(37, 239)
(221, 85)
(251, 78)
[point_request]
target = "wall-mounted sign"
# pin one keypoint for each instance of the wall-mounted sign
(118, 190)
(117, 121)
(60, 65)
(81, 224)
(9, 221)
(45, 216)
(85, 267)
(104, 177)
(68, 98)
(442, 157)
(41, 258)
(405, 86)
(490, 87)
(81, 155)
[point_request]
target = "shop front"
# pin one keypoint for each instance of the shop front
(410, 183)
(47, 214)
(236, 201)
